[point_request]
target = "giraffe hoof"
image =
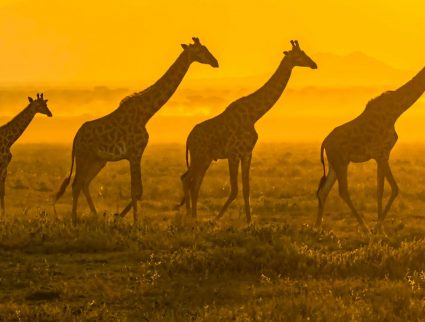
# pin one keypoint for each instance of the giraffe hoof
(379, 230)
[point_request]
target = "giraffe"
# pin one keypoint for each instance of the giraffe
(231, 135)
(122, 134)
(11, 131)
(369, 136)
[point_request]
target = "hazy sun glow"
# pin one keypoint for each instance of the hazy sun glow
(128, 44)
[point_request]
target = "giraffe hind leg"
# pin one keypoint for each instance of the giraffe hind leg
(198, 170)
(86, 169)
(342, 173)
(233, 172)
(92, 170)
(76, 189)
(186, 180)
(323, 192)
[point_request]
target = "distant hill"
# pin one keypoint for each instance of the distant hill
(355, 69)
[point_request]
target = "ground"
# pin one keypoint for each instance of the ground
(174, 269)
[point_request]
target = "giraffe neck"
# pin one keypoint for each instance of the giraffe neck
(18, 124)
(153, 98)
(408, 94)
(265, 97)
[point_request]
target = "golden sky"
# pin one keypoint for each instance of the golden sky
(111, 42)
(375, 44)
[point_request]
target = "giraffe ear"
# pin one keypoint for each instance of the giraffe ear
(30, 99)
(286, 52)
(184, 46)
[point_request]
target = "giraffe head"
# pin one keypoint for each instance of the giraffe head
(40, 105)
(200, 53)
(299, 57)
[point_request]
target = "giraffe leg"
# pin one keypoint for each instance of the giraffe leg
(394, 190)
(246, 166)
(83, 164)
(379, 195)
(136, 187)
(125, 210)
(4, 162)
(77, 185)
(197, 175)
(233, 171)
(322, 194)
(186, 178)
(91, 173)
(2, 193)
(342, 173)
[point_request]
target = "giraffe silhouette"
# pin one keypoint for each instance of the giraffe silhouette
(122, 134)
(11, 131)
(369, 136)
(231, 135)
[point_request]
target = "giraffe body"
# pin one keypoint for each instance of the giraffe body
(122, 134)
(231, 135)
(371, 135)
(11, 131)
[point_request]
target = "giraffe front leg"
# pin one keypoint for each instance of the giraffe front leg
(4, 162)
(380, 194)
(2, 193)
(246, 166)
(394, 189)
(136, 188)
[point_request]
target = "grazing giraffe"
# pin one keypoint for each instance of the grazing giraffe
(11, 131)
(369, 136)
(122, 134)
(231, 135)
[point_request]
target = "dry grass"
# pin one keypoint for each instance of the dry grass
(279, 269)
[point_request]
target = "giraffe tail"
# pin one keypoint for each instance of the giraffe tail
(322, 160)
(67, 180)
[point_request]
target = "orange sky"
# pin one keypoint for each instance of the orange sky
(47, 44)
(119, 42)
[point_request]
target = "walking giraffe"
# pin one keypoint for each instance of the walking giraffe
(231, 135)
(369, 136)
(11, 131)
(122, 134)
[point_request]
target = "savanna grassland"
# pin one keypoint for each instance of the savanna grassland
(171, 268)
